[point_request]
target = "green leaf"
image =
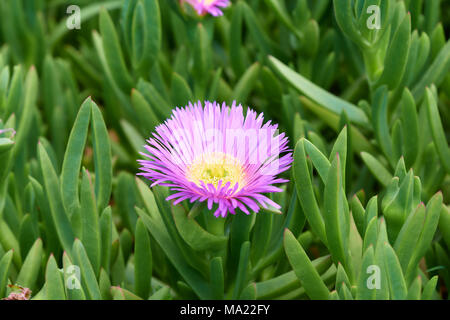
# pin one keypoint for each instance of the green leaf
(281, 12)
(340, 148)
(345, 293)
(60, 217)
(435, 73)
(344, 16)
(142, 261)
(113, 52)
(432, 214)
(414, 291)
(359, 141)
(364, 292)
(429, 291)
(73, 156)
(261, 235)
(444, 225)
(236, 50)
(147, 117)
(305, 191)
(105, 285)
(194, 235)
(28, 233)
(242, 270)
(246, 83)
(158, 230)
(72, 277)
(15, 93)
(257, 34)
(88, 278)
(333, 295)
(54, 281)
(371, 234)
(29, 272)
(155, 98)
(437, 130)
(410, 126)
(106, 226)
(341, 278)
(240, 229)
(51, 236)
(5, 145)
(8, 241)
(311, 39)
(202, 59)
(135, 33)
(181, 93)
(5, 264)
(397, 55)
(249, 293)
(146, 34)
(89, 221)
(217, 278)
(102, 159)
(397, 284)
(136, 140)
(303, 268)
(397, 203)
(383, 292)
(162, 294)
(119, 293)
(380, 122)
(321, 163)
(279, 285)
(317, 94)
(336, 215)
(406, 242)
(358, 213)
(86, 13)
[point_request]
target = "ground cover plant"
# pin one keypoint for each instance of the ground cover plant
(106, 193)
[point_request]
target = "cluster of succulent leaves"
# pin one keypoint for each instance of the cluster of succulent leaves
(367, 112)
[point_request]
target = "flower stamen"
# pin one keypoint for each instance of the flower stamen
(214, 167)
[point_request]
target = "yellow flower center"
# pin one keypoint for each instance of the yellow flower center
(216, 166)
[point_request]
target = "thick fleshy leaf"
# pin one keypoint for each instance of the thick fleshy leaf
(59, 215)
(5, 264)
(142, 261)
(437, 129)
(194, 235)
(113, 52)
(305, 191)
(54, 281)
(336, 215)
(89, 221)
(29, 272)
(303, 268)
(102, 159)
(318, 94)
(88, 278)
(242, 270)
(397, 284)
(217, 278)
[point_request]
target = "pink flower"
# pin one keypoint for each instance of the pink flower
(217, 154)
(208, 6)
